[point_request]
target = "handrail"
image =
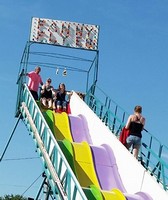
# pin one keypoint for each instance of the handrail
(58, 172)
(153, 154)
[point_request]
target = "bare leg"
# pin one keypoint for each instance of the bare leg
(135, 152)
(54, 105)
(50, 103)
(44, 102)
(59, 107)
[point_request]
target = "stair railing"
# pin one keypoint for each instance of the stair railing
(62, 180)
(153, 156)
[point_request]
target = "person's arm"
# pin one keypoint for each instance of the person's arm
(41, 82)
(52, 89)
(42, 89)
(68, 94)
(54, 94)
(29, 74)
(128, 122)
(143, 121)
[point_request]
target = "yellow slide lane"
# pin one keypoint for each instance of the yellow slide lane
(62, 128)
(114, 194)
(84, 164)
(82, 158)
(86, 174)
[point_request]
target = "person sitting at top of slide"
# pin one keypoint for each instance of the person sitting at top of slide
(47, 94)
(60, 95)
(34, 81)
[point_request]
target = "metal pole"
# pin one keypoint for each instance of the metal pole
(10, 138)
(41, 187)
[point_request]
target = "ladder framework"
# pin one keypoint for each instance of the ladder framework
(60, 177)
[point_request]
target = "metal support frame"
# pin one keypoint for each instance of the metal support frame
(26, 57)
(44, 152)
(60, 177)
(10, 138)
(48, 193)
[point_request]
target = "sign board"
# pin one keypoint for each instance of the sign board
(64, 33)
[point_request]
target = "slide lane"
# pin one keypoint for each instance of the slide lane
(104, 160)
(95, 167)
(59, 124)
(107, 172)
(79, 156)
(61, 130)
(79, 129)
(84, 164)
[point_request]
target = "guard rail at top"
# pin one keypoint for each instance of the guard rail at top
(153, 156)
(59, 174)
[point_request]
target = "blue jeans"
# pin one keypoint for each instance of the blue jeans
(63, 104)
(133, 140)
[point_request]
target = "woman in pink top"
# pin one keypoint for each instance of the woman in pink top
(34, 81)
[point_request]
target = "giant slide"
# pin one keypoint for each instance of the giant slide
(82, 158)
(94, 165)
(115, 167)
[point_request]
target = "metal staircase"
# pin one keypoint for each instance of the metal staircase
(152, 155)
(61, 180)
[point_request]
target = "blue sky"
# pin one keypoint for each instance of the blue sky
(133, 46)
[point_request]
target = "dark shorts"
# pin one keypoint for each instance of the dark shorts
(34, 94)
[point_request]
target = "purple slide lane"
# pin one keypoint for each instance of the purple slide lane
(106, 169)
(104, 160)
(107, 172)
(79, 129)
